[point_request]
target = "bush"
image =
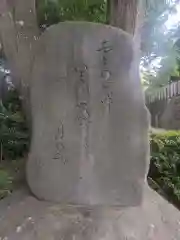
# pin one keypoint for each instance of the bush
(6, 185)
(164, 173)
(14, 136)
(51, 12)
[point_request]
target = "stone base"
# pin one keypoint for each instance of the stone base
(22, 217)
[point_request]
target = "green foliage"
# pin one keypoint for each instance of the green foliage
(51, 12)
(165, 163)
(159, 60)
(14, 136)
(12, 176)
(5, 183)
(155, 36)
(169, 66)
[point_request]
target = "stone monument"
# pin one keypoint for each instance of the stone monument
(90, 125)
(89, 145)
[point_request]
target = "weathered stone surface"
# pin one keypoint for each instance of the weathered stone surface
(29, 219)
(170, 119)
(89, 143)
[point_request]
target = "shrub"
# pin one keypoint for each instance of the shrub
(165, 164)
(6, 185)
(14, 136)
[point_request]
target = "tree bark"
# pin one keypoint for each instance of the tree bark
(129, 16)
(18, 32)
(123, 14)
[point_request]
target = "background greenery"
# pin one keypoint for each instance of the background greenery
(14, 144)
(51, 12)
(164, 173)
(14, 135)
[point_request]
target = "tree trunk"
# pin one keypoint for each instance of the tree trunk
(128, 15)
(18, 31)
(123, 14)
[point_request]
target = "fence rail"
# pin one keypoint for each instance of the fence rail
(164, 93)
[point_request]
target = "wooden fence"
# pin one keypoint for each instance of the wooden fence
(164, 93)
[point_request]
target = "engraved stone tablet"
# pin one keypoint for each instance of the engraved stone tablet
(90, 125)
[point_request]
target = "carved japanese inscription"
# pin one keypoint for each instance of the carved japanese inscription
(105, 49)
(59, 145)
(83, 108)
